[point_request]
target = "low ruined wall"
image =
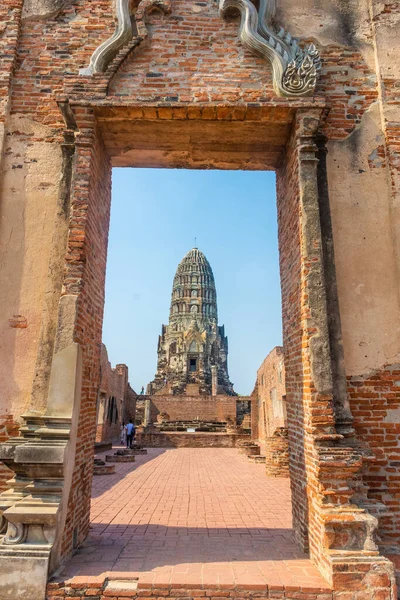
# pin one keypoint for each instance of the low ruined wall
(375, 405)
(191, 440)
(190, 408)
(277, 454)
(98, 590)
(116, 401)
(268, 407)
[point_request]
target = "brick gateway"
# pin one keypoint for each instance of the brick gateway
(187, 92)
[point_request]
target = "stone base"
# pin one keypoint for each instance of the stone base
(103, 469)
(115, 458)
(23, 577)
(256, 458)
(190, 440)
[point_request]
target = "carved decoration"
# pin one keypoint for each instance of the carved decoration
(34, 507)
(3, 525)
(294, 69)
(16, 533)
(124, 33)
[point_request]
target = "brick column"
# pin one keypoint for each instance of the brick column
(330, 506)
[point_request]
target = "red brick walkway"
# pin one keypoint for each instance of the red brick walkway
(193, 516)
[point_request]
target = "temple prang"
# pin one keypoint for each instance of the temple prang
(192, 345)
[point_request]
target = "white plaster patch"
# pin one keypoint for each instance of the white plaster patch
(392, 415)
(118, 585)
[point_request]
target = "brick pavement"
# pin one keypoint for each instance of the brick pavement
(192, 517)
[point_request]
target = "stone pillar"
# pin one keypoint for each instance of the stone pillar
(147, 412)
(214, 380)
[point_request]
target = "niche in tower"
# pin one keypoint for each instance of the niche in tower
(193, 357)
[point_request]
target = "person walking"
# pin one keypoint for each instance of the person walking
(130, 432)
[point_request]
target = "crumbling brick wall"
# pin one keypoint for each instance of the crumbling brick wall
(269, 422)
(116, 399)
(375, 404)
(85, 277)
(271, 407)
(291, 271)
(190, 408)
(8, 428)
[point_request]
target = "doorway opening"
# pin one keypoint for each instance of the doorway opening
(175, 510)
(269, 139)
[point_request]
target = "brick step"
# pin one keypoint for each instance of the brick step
(249, 449)
(128, 588)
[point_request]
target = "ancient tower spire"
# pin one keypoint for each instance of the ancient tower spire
(193, 292)
(192, 345)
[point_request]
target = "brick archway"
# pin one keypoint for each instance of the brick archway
(215, 109)
(283, 138)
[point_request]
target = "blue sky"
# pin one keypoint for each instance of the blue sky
(155, 216)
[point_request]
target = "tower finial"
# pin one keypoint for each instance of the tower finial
(195, 242)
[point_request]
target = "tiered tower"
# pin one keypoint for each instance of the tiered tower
(192, 349)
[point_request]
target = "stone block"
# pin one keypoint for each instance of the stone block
(23, 577)
(115, 458)
(103, 469)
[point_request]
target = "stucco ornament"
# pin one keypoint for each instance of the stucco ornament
(125, 32)
(294, 69)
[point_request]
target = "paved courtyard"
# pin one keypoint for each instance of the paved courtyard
(192, 516)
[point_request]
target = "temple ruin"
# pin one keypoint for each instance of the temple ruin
(192, 349)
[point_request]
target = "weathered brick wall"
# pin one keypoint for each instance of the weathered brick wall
(189, 408)
(194, 56)
(8, 428)
(98, 591)
(219, 68)
(375, 404)
(269, 421)
(191, 440)
(113, 385)
(10, 23)
(85, 277)
(290, 271)
(270, 383)
(277, 453)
